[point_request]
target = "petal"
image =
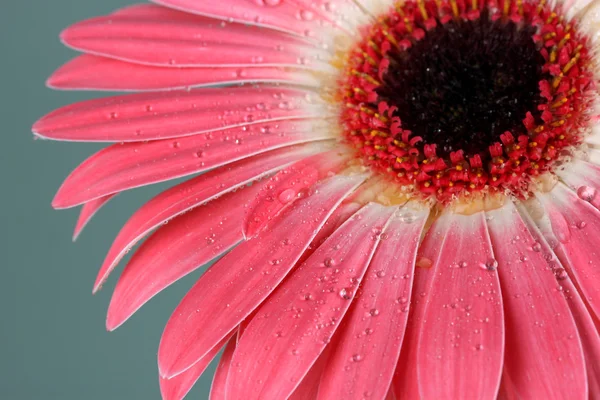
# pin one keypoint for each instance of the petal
(584, 178)
(287, 186)
(171, 38)
(586, 14)
(573, 232)
(88, 210)
(339, 216)
(406, 381)
(122, 167)
(588, 332)
(177, 387)
(298, 321)
(192, 193)
(590, 339)
(217, 389)
(219, 383)
(279, 15)
(308, 388)
(174, 250)
(463, 325)
(88, 72)
(543, 354)
(573, 8)
(347, 15)
(173, 114)
(233, 287)
(386, 287)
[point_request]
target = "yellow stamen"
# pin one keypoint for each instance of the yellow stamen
(506, 9)
(422, 9)
(454, 6)
(571, 63)
(559, 102)
(540, 7)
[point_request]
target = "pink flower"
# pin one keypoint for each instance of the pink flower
(402, 196)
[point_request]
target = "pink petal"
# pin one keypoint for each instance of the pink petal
(175, 114)
(386, 287)
(174, 250)
(192, 193)
(88, 72)
(122, 167)
(339, 216)
(588, 333)
(233, 287)
(167, 37)
(287, 186)
(463, 327)
(308, 389)
(575, 236)
(282, 15)
(295, 324)
(543, 354)
(219, 383)
(177, 387)
(88, 210)
(406, 381)
(217, 390)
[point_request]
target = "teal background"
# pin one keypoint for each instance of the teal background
(53, 344)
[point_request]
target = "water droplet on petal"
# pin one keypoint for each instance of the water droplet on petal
(287, 196)
(586, 193)
(345, 294)
(329, 262)
(424, 262)
(374, 312)
(490, 265)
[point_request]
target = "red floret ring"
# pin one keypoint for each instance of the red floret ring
(373, 127)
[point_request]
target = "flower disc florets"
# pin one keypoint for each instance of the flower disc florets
(452, 98)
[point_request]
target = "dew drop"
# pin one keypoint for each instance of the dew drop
(374, 312)
(345, 294)
(424, 262)
(586, 193)
(287, 196)
(490, 265)
(560, 274)
(306, 15)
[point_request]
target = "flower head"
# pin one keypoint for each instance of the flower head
(402, 195)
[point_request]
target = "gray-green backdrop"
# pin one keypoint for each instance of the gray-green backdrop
(53, 344)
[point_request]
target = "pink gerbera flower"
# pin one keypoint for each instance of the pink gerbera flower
(403, 194)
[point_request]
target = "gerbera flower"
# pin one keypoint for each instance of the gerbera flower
(402, 194)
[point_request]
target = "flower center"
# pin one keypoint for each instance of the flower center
(465, 83)
(451, 99)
